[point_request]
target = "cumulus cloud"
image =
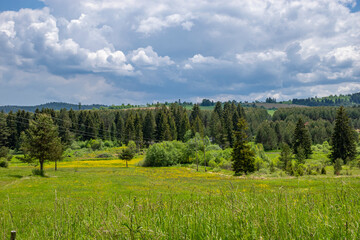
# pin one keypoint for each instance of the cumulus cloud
(147, 57)
(185, 48)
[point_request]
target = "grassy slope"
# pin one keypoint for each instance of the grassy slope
(104, 200)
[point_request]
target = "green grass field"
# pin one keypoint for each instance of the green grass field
(101, 199)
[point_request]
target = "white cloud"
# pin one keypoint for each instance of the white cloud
(244, 45)
(155, 24)
(147, 57)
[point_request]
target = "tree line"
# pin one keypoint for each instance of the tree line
(143, 126)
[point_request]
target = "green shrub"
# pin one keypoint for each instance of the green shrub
(4, 164)
(166, 154)
(300, 170)
(75, 146)
(212, 164)
(337, 166)
(104, 155)
(38, 172)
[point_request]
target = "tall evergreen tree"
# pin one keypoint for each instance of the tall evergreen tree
(64, 122)
(119, 122)
(149, 127)
(184, 126)
(302, 139)
(162, 125)
(12, 130)
(129, 130)
(4, 131)
(138, 131)
(197, 127)
(195, 112)
(41, 141)
(242, 155)
(218, 109)
(343, 139)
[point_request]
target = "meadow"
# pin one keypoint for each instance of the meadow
(90, 198)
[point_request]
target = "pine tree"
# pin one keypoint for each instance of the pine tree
(242, 155)
(4, 131)
(197, 127)
(138, 131)
(12, 138)
(41, 141)
(184, 126)
(343, 139)
(195, 112)
(302, 139)
(149, 128)
(119, 122)
(129, 131)
(285, 157)
(64, 124)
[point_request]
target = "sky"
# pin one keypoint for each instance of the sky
(140, 51)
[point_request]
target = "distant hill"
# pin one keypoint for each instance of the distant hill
(332, 100)
(52, 105)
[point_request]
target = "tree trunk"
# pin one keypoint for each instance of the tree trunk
(204, 157)
(55, 165)
(197, 160)
(126, 163)
(41, 165)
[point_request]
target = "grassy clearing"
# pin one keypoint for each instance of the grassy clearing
(102, 199)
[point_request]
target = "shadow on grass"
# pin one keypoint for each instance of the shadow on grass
(15, 176)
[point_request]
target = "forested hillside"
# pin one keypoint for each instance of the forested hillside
(174, 122)
(346, 100)
(52, 105)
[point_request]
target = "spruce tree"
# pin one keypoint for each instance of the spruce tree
(129, 131)
(184, 126)
(302, 139)
(149, 128)
(4, 132)
(343, 139)
(64, 124)
(285, 157)
(12, 138)
(119, 122)
(41, 141)
(138, 131)
(242, 155)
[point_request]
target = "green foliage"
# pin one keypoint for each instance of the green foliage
(302, 140)
(4, 163)
(41, 141)
(285, 157)
(38, 172)
(95, 144)
(166, 154)
(243, 157)
(266, 135)
(132, 146)
(343, 139)
(338, 166)
(127, 154)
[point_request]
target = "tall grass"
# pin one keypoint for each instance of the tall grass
(103, 202)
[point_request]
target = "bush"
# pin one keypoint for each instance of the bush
(4, 164)
(166, 154)
(104, 155)
(38, 172)
(300, 170)
(95, 144)
(225, 164)
(75, 146)
(212, 164)
(337, 166)
(4, 151)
